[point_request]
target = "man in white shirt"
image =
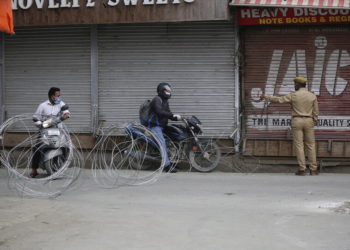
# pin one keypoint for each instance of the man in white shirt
(47, 109)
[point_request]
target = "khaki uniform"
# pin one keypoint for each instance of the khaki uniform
(304, 116)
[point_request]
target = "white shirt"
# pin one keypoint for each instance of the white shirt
(46, 110)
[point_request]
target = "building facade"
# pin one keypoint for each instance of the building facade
(109, 56)
(219, 56)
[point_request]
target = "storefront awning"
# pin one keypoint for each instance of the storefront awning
(330, 4)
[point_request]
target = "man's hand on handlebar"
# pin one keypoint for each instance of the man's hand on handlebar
(178, 117)
(65, 116)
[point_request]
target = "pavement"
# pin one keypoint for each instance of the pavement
(184, 211)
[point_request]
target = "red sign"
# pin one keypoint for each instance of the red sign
(283, 16)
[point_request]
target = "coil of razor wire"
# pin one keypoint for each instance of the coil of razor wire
(19, 140)
(119, 157)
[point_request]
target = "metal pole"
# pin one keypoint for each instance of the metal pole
(94, 78)
(2, 78)
(238, 135)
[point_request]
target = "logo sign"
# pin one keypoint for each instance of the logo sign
(335, 84)
(285, 16)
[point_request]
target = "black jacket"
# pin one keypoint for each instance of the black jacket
(160, 112)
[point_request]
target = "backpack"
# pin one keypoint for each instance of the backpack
(145, 113)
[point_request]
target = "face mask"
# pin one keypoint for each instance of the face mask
(57, 100)
(167, 94)
(167, 91)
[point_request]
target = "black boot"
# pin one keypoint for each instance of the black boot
(170, 169)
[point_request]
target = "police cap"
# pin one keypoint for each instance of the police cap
(300, 79)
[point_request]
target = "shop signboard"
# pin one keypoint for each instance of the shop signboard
(292, 16)
(64, 12)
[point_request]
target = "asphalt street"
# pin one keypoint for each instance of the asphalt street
(191, 211)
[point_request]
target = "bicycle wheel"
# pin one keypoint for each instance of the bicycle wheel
(205, 155)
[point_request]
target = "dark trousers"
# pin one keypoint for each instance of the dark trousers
(37, 156)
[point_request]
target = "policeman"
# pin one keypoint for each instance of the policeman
(304, 116)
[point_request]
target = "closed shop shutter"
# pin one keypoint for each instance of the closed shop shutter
(273, 56)
(197, 59)
(38, 58)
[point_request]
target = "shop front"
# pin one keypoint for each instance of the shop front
(108, 57)
(279, 43)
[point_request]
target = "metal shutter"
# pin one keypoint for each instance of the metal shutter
(197, 59)
(275, 55)
(37, 58)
